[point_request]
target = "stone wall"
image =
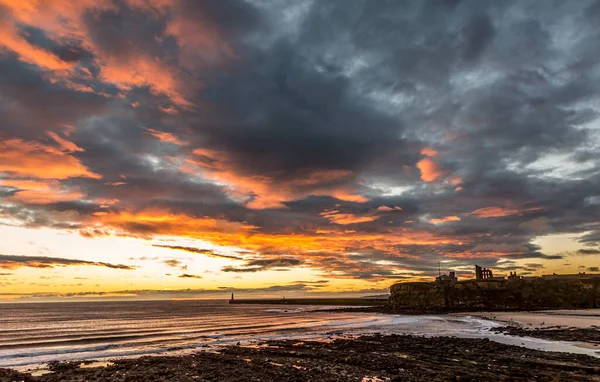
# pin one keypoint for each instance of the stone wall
(534, 293)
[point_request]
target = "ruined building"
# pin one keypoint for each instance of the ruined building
(482, 273)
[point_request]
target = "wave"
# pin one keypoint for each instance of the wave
(102, 331)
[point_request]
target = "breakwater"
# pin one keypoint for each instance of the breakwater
(314, 301)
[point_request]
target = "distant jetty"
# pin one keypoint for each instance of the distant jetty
(489, 292)
(315, 301)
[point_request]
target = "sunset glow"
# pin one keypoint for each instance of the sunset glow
(188, 149)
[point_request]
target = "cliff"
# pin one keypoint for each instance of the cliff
(527, 294)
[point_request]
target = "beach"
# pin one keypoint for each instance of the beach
(581, 327)
(583, 318)
(372, 358)
(158, 340)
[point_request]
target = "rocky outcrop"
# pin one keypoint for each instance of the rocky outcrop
(536, 293)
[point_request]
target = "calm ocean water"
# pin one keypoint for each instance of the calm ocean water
(32, 334)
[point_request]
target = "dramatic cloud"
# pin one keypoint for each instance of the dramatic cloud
(588, 252)
(14, 262)
(188, 276)
(263, 265)
(364, 140)
(31, 159)
(206, 252)
(172, 263)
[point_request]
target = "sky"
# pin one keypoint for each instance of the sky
(191, 149)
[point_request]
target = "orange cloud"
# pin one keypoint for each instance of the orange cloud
(41, 191)
(64, 144)
(12, 41)
(309, 247)
(159, 222)
(200, 40)
(60, 19)
(388, 209)
(165, 137)
(138, 71)
(455, 180)
(31, 159)
(322, 176)
(429, 152)
(63, 20)
(445, 219)
(336, 217)
(260, 191)
(430, 170)
(493, 212)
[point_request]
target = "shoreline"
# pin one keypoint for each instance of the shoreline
(363, 302)
(555, 325)
(571, 318)
(360, 358)
(480, 326)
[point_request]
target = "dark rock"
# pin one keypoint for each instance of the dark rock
(473, 295)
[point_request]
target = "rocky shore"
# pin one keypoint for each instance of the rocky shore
(372, 358)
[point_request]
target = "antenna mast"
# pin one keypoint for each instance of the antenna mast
(439, 269)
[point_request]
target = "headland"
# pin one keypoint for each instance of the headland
(493, 293)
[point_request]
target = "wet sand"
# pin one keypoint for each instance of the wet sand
(366, 358)
(588, 337)
(578, 326)
(547, 318)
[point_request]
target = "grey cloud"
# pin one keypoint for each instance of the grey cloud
(172, 263)
(477, 35)
(189, 276)
(591, 251)
(15, 261)
(206, 252)
(592, 238)
(264, 264)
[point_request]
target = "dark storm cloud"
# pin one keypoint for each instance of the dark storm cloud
(37, 105)
(14, 262)
(329, 107)
(308, 119)
(477, 35)
(592, 238)
(589, 251)
(206, 252)
(188, 276)
(172, 263)
(264, 264)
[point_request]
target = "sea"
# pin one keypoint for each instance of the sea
(32, 334)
